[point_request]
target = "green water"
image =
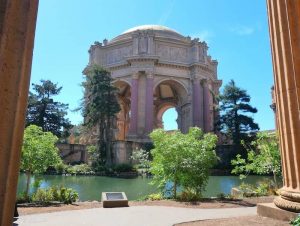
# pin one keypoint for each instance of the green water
(90, 187)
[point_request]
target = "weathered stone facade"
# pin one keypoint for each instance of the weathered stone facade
(156, 68)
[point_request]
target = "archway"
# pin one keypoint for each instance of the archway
(169, 119)
(171, 94)
(123, 117)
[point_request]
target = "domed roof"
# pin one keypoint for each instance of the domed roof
(150, 27)
(158, 30)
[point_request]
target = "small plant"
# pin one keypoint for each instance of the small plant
(221, 195)
(142, 158)
(155, 197)
(296, 222)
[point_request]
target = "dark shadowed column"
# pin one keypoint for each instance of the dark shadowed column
(206, 101)
(134, 105)
(17, 29)
(284, 26)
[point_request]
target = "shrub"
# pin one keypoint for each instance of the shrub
(124, 167)
(23, 198)
(155, 196)
(189, 196)
(54, 193)
(80, 169)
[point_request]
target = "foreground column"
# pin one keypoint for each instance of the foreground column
(149, 103)
(197, 104)
(17, 29)
(206, 101)
(284, 26)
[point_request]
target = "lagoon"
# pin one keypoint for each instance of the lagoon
(91, 187)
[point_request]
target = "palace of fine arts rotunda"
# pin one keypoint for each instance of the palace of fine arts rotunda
(156, 68)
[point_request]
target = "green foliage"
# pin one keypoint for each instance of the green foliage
(23, 198)
(184, 159)
(46, 113)
(81, 169)
(261, 189)
(263, 157)
(142, 158)
(38, 152)
(100, 106)
(296, 222)
(235, 121)
(123, 167)
(54, 193)
(189, 196)
(155, 197)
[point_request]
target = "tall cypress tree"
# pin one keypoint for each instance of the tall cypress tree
(99, 109)
(45, 112)
(235, 120)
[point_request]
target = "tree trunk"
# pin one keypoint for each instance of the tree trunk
(28, 175)
(175, 188)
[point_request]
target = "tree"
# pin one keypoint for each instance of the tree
(38, 152)
(184, 159)
(263, 157)
(99, 109)
(234, 120)
(46, 113)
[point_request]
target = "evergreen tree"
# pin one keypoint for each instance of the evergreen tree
(235, 120)
(99, 109)
(46, 113)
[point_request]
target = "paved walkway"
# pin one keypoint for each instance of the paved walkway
(131, 216)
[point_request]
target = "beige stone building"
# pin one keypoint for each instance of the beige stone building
(156, 68)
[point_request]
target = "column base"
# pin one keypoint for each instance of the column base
(288, 201)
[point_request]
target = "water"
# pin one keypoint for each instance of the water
(91, 187)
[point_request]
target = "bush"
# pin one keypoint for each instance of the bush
(54, 193)
(261, 189)
(79, 169)
(189, 196)
(155, 197)
(23, 198)
(124, 167)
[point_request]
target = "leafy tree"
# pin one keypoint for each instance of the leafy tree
(263, 157)
(99, 109)
(184, 159)
(38, 152)
(234, 120)
(46, 113)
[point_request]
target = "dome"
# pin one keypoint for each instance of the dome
(158, 30)
(150, 27)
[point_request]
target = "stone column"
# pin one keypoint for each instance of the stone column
(149, 103)
(17, 29)
(197, 104)
(284, 26)
(134, 105)
(206, 107)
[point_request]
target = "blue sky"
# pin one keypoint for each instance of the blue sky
(236, 32)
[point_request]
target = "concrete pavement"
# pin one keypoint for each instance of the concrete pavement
(131, 216)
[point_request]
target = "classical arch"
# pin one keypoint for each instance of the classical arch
(170, 93)
(123, 117)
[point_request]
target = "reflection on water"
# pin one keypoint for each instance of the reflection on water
(90, 187)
